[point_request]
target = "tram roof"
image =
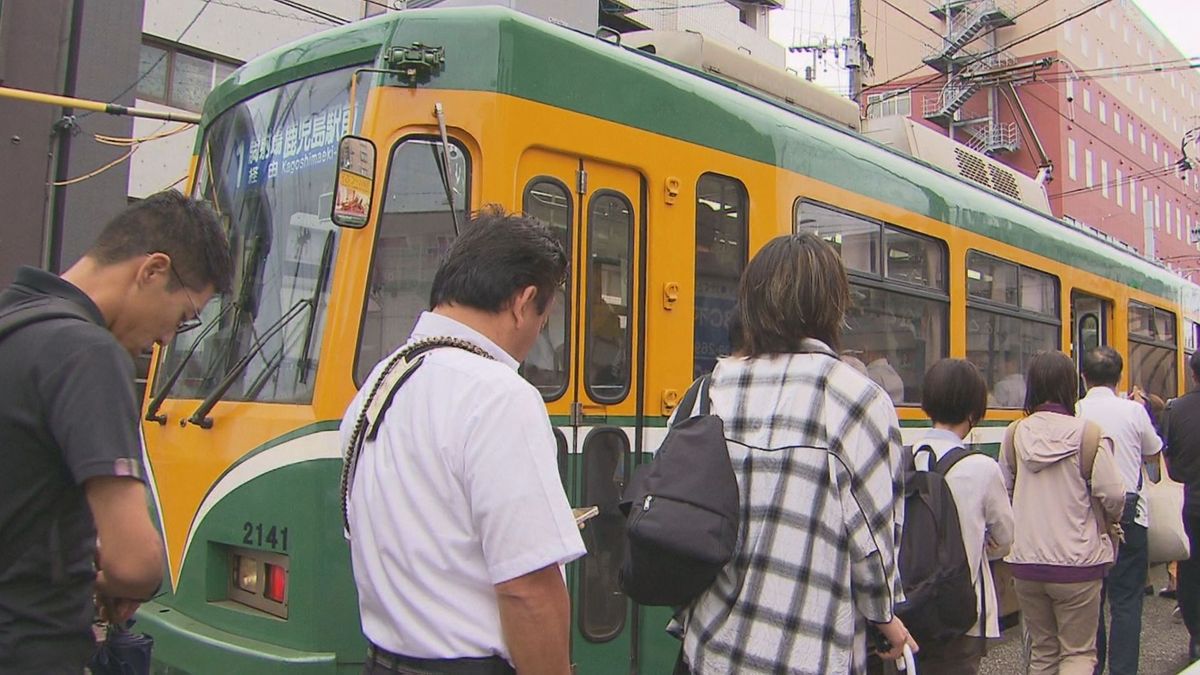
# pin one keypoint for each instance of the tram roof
(498, 50)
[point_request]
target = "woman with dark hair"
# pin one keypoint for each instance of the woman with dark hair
(954, 395)
(815, 446)
(1063, 508)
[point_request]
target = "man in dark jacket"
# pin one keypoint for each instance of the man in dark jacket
(73, 516)
(1181, 432)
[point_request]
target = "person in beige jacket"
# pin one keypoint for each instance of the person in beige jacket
(1061, 552)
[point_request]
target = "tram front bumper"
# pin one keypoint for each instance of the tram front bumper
(184, 645)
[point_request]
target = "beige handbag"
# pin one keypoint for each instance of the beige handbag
(1168, 539)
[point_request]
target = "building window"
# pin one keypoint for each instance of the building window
(1143, 141)
(373, 7)
(749, 16)
(1104, 178)
(1133, 195)
(1157, 211)
(1071, 173)
(1178, 224)
(888, 105)
(1103, 112)
(1117, 122)
(1070, 88)
(169, 75)
(1088, 176)
(1129, 128)
(1083, 42)
(1120, 189)
(1087, 99)
(1154, 145)
(1167, 218)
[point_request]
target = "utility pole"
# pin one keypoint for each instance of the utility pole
(855, 50)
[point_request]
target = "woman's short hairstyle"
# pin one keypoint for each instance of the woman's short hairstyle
(794, 288)
(954, 392)
(1051, 379)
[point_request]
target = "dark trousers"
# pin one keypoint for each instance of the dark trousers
(1124, 589)
(1188, 579)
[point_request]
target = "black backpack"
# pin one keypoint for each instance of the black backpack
(940, 601)
(683, 510)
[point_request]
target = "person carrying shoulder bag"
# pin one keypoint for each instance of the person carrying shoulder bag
(1063, 509)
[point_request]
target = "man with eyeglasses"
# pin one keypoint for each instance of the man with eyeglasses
(73, 516)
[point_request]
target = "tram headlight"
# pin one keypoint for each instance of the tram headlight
(245, 571)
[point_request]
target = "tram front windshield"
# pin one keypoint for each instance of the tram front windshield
(267, 167)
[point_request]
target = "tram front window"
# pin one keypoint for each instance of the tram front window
(267, 168)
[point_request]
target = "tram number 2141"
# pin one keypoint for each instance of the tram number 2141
(263, 536)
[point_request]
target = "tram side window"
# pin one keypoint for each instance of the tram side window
(414, 232)
(1152, 350)
(720, 258)
(609, 297)
(1190, 329)
(899, 309)
(548, 363)
(1012, 314)
(603, 607)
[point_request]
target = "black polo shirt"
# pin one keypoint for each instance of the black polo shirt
(67, 413)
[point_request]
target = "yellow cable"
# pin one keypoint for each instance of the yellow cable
(97, 172)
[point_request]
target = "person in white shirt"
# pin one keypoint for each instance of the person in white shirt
(1134, 441)
(458, 523)
(954, 395)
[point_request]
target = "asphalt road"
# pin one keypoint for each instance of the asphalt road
(1164, 640)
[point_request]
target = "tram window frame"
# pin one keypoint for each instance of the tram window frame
(592, 293)
(741, 197)
(1012, 306)
(876, 279)
(587, 627)
(549, 394)
(1154, 339)
(360, 376)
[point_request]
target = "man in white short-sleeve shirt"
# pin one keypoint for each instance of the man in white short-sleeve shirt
(1134, 441)
(458, 522)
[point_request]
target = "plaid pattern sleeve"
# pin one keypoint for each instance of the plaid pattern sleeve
(816, 450)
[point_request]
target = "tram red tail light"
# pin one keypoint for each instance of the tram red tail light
(276, 587)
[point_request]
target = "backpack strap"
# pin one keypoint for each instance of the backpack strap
(952, 457)
(1008, 448)
(698, 390)
(36, 311)
(1088, 449)
(397, 371)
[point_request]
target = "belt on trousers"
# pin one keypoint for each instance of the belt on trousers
(487, 665)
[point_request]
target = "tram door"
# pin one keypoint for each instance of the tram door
(585, 364)
(1089, 320)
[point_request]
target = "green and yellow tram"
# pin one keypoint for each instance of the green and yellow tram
(661, 181)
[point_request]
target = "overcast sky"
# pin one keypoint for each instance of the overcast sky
(806, 22)
(1177, 19)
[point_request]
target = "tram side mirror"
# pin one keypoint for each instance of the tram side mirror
(355, 182)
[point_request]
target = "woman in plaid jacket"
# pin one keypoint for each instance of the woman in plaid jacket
(816, 449)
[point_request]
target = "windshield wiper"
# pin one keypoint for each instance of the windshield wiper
(443, 162)
(152, 410)
(200, 417)
(305, 361)
(310, 329)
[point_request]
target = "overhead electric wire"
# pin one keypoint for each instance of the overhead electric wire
(979, 57)
(313, 11)
(149, 70)
(1119, 152)
(914, 19)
